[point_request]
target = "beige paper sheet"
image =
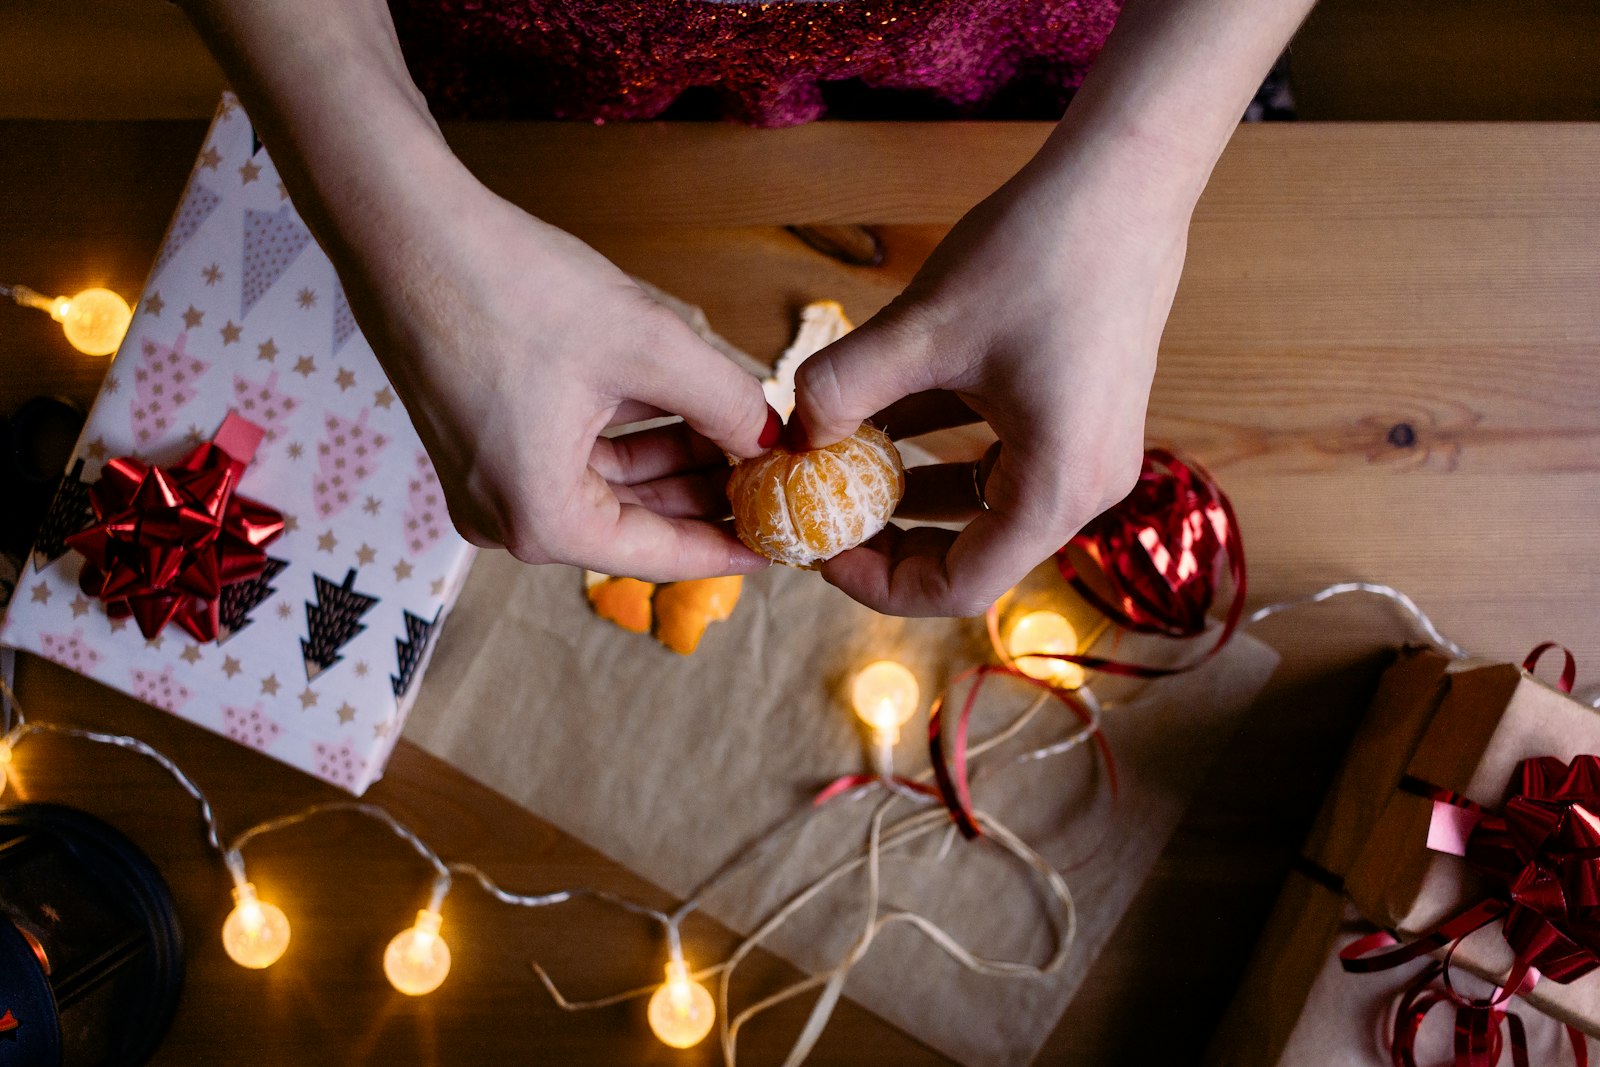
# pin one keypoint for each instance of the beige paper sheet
(672, 765)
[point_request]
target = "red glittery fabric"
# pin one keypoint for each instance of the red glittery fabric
(766, 64)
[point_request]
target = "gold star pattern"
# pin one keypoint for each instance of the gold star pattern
(326, 542)
(308, 699)
(344, 379)
(307, 298)
(269, 686)
(296, 450)
(154, 305)
(41, 594)
(118, 625)
(111, 384)
(284, 610)
(212, 274)
(346, 713)
(291, 524)
(383, 398)
(231, 666)
(381, 730)
(194, 436)
(305, 366)
(283, 191)
(193, 317)
(372, 505)
(266, 350)
(249, 173)
(225, 108)
(231, 332)
(365, 555)
(436, 587)
(80, 606)
(211, 159)
(190, 654)
(361, 668)
(97, 449)
(154, 644)
(402, 571)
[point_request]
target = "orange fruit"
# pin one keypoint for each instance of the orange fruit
(801, 508)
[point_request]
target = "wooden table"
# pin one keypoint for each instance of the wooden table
(1386, 345)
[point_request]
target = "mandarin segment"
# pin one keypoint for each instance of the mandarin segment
(801, 508)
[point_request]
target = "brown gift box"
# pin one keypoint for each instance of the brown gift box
(1296, 1005)
(1491, 719)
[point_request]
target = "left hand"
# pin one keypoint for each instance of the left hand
(1040, 314)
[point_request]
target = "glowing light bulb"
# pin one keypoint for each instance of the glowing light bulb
(5, 761)
(681, 1011)
(1046, 632)
(417, 959)
(256, 931)
(95, 320)
(885, 695)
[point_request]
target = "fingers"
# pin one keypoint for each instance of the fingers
(940, 492)
(687, 496)
(684, 375)
(630, 539)
(859, 375)
(655, 453)
(924, 412)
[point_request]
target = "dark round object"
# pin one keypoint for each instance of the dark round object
(88, 901)
(34, 1039)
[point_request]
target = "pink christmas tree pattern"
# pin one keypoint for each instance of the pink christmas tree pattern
(159, 690)
(272, 242)
(163, 383)
(344, 323)
(250, 726)
(263, 404)
(338, 764)
(346, 457)
(69, 651)
(198, 204)
(426, 515)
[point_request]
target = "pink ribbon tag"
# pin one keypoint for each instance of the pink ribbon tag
(1450, 827)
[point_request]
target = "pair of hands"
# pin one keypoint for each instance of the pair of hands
(1039, 314)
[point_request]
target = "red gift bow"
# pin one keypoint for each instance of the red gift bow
(1542, 853)
(1161, 552)
(166, 540)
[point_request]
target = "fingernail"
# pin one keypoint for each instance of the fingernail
(770, 432)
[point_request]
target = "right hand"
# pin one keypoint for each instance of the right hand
(513, 346)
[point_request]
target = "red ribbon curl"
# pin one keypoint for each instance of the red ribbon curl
(1159, 555)
(166, 540)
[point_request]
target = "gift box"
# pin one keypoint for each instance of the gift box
(306, 644)
(1367, 861)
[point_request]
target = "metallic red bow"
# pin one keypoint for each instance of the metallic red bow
(166, 540)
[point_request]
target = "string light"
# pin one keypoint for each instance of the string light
(884, 695)
(681, 1012)
(1035, 638)
(95, 320)
(256, 932)
(417, 959)
(5, 761)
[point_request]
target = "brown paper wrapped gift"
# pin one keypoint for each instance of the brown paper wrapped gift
(1491, 719)
(1296, 1006)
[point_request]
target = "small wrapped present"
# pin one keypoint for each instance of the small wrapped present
(1367, 884)
(249, 535)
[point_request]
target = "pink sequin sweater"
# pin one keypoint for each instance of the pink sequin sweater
(778, 63)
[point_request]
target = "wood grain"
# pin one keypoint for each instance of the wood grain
(1341, 281)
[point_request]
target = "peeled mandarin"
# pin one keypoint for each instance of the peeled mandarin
(801, 508)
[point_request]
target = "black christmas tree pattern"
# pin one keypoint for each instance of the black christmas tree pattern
(69, 513)
(425, 511)
(163, 383)
(332, 621)
(346, 457)
(344, 323)
(411, 650)
(263, 404)
(198, 204)
(239, 599)
(250, 726)
(272, 241)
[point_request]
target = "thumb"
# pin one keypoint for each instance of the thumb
(856, 377)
